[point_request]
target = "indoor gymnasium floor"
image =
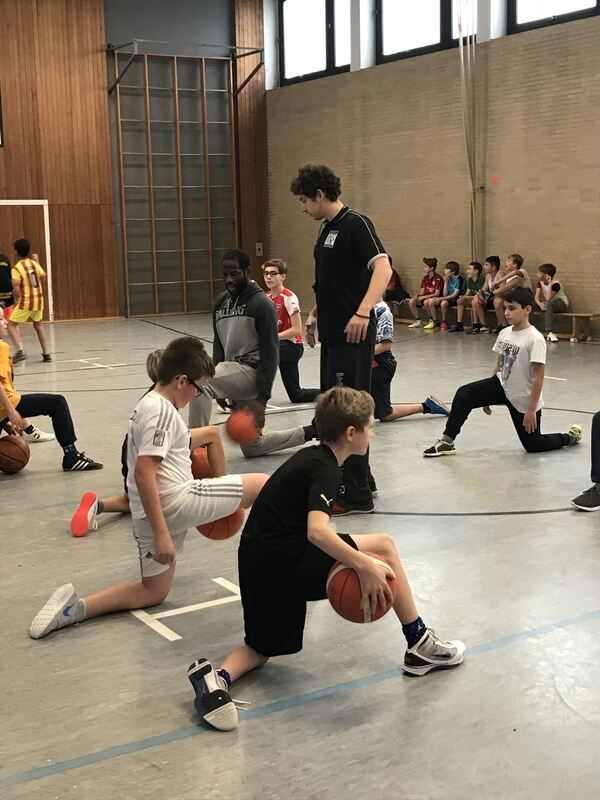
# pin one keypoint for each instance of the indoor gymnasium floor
(494, 553)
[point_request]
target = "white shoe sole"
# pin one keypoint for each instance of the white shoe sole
(225, 716)
(584, 508)
(42, 623)
(443, 453)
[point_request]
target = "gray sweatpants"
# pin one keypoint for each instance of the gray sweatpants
(237, 383)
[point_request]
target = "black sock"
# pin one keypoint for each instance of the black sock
(29, 429)
(310, 432)
(413, 631)
(426, 409)
(99, 506)
(70, 450)
(225, 675)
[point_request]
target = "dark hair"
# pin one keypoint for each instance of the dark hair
(278, 263)
(516, 259)
(22, 246)
(494, 261)
(454, 266)
(520, 295)
(476, 266)
(340, 407)
(184, 356)
(312, 177)
(547, 269)
(240, 256)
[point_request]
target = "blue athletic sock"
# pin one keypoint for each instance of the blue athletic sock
(225, 675)
(413, 631)
(70, 450)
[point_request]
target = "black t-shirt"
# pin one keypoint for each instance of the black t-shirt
(277, 524)
(6, 295)
(344, 255)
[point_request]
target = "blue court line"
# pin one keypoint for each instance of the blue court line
(279, 705)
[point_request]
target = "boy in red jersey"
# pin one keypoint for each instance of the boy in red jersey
(289, 328)
(27, 280)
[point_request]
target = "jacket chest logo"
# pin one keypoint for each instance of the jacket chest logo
(330, 239)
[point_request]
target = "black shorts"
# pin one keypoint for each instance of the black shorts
(124, 469)
(274, 598)
(489, 302)
(452, 303)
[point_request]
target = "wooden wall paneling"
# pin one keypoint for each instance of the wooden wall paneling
(252, 131)
(24, 222)
(124, 250)
(182, 269)
(235, 201)
(150, 185)
(205, 150)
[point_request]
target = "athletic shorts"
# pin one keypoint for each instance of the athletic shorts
(206, 501)
(489, 302)
(274, 598)
(20, 315)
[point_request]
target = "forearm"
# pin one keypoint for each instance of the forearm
(382, 347)
(325, 538)
(377, 286)
(145, 479)
(536, 390)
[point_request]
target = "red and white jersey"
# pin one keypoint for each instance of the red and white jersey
(285, 304)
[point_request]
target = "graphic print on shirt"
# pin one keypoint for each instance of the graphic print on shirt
(508, 356)
(330, 239)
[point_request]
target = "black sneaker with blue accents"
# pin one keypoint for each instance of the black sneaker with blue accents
(213, 701)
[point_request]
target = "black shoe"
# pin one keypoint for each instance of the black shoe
(46, 357)
(307, 396)
(499, 329)
(589, 500)
(79, 462)
(341, 508)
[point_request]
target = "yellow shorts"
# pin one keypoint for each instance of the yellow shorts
(20, 315)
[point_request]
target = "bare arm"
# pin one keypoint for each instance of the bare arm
(372, 577)
(295, 330)
(311, 326)
(358, 324)
(145, 478)
(16, 291)
(382, 347)
(210, 438)
(537, 382)
(16, 420)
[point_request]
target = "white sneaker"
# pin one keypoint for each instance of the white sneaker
(213, 701)
(432, 653)
(37, 435)
(417, 324)
(62, 608)
(552, 337)
(84, 519)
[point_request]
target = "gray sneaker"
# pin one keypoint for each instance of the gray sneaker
(589, 500)
(431, 653)
(440, 448)
(63, 608)
(20, 355)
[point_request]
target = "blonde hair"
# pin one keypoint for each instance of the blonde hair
(339, 408)
(152, 364)
(278, 263)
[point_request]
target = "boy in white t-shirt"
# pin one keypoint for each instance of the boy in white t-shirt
(289, 329)
(516, 383)
(165, 499)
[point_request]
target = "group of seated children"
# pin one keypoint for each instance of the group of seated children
(484, 290)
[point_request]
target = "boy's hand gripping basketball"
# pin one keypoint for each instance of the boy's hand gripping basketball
(373, 584)
(17, 423)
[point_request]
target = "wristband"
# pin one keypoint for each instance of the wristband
(362, 316)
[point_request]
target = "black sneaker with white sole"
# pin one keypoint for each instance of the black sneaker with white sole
(79, 462)
(431, 653)
(213, 701)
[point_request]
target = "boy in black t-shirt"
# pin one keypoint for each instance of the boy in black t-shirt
(287, 550)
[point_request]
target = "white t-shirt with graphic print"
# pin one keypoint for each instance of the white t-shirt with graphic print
(157, 429)
(517, 351)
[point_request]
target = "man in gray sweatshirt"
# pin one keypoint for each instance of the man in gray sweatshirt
(245, 355)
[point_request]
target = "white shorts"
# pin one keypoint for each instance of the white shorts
(206, 501)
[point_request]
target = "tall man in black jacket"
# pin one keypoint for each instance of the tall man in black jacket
(352, 272)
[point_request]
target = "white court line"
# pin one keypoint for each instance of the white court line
(149, 620)
(550, 378)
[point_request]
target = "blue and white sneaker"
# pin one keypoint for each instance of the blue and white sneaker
(213, 701)
(63, 608)
(431, 653)
(435, 406)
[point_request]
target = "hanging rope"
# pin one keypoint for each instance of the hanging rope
(466, 47)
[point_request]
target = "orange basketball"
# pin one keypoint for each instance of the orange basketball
(343, 591)
(14, 454)
(225, 527)
(241, 427)
(200, 466)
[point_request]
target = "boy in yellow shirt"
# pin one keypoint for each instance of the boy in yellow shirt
(27, 279)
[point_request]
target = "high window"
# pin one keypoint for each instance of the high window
(524, 15)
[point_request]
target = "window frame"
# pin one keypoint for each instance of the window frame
(513, 27)
(446, 41)
(330, 68)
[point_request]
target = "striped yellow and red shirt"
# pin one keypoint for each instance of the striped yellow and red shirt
(6, 379)
(28, 274)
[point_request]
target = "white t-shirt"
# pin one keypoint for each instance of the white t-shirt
(521, 273)
(518, 350)
(157, 429)
(554, 286)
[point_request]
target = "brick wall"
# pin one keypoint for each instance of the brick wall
(394, 135)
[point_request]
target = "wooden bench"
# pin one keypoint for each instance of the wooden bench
(580, 321)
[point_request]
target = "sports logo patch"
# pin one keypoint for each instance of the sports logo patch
(330, 239)
(159, 438)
